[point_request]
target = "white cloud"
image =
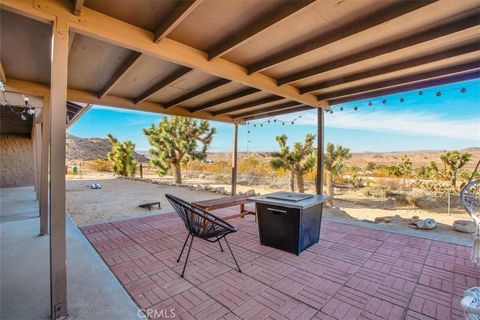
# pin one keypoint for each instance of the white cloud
(415, 123)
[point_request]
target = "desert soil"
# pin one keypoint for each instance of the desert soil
(119, 198)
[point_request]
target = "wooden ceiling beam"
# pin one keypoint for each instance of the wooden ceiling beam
(108, 29)
(77, 7)
(181, 11)
(128, 65)
(433, 33)
(282, 106)
(402, 80)
(278, 113)
(248, 105)
(277, 15)
(162, 84)
(195, 93)
(398, 9)
(465, 49)
(409, 87)
(81, 96)
(227, 98)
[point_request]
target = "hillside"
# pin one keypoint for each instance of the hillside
(418, 157)
(91, 149)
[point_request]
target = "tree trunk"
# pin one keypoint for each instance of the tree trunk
(177, 173)
(292, 182)
(300, 184)
(453, 179)
(330, 190)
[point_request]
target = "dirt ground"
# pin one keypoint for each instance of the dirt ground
(119, 198)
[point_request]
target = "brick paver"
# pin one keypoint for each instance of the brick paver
(352, 273)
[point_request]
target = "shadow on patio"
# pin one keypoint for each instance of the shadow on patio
(352, 273)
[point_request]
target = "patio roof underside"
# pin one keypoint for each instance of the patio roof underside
(235, 61)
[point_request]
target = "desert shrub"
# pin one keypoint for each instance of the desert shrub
(102, 165)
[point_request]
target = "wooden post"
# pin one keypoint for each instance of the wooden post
(320, 136)
(141, 170)
(234, 159)
(33, 138)
(58, 101)
(44, 166)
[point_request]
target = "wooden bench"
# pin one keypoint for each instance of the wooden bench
(226, 202)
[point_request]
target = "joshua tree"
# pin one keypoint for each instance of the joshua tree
(453, 161)
(121, 155)
(335, 157)
(298, 161)
(405, 168)
(370, 166)
(176, 141)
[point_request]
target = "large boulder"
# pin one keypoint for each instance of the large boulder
(465, 226)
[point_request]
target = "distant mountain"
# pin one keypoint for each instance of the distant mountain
(91, 149)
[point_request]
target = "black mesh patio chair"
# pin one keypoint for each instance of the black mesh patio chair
(201, 224)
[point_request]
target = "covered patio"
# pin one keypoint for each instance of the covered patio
(237, 61)
(354, 272)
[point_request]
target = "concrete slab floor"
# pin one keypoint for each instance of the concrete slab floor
(93, 292)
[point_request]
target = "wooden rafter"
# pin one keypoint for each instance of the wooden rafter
(395, 45)
(398, 9)
(128, 65)
(402, 80)
(181, 11)
(465, 49)
(408, 87)
(81, 96)
(77, 7)
(195, 93)
(108, 29)
(272, 18)
(162, 84)
(282, 106)
(278, 113)
(224, 99)
(247, 105)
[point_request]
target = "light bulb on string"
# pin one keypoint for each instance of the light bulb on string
(341, 108)
(463, 90)
(438, 94)
(293, 122)
(331, 111)
(402, 100)
(356, 108)
(384, 101)
(283, 123)
(370, 104)
(420, 93)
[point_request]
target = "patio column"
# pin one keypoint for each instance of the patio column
(234, 159)
(44, 166)
(33, 137)
(37, 155)
(58, 100)
(320, 135)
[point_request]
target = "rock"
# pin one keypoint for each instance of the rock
(202, 176)
(465, 226)
(220, 190)
(250, 193)
(383, 219)
(426, 224)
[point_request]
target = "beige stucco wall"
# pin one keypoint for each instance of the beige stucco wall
(16, 161)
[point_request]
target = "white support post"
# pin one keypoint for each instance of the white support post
(58, 100)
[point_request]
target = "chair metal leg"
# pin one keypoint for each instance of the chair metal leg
(188, 254)
(228, 245)
(220, 244)
(180, 256)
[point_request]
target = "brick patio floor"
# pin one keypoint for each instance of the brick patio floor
(352, 273)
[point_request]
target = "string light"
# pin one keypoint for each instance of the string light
(330, 110)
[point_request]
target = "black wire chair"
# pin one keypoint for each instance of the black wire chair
(201, 224)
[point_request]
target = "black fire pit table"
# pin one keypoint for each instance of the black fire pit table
(289, 221)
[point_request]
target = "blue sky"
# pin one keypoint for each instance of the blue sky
(421, 122)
